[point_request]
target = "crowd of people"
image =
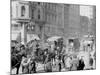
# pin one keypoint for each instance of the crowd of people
(34, 58)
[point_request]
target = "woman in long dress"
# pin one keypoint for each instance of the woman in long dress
(68, 62)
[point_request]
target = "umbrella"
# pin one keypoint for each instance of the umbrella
(54, 38)
(87, 42)
(33, 37)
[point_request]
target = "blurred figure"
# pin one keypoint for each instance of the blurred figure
(91, 62)
(75, 63)
(60, 67)
(68, 62)
(25, 64)
(81, 64)
(32, 66)
(13, 71)
(49, 66)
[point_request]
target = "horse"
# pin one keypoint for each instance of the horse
(16, 61)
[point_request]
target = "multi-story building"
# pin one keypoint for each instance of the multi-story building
(62, 20)
(38, 17)
(20, 19)
(93, 21)
(87, 23)
(27, 19)
(46, 20)
(54, 19)
(71, 20)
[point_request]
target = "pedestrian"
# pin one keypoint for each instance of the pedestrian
(30, 67)
(34, 66)
(68, 62)
(37, 50)
(25, 64)
(49, 67)
(56, 64)
(91, 62)
(74, 64)
(13, 71)
(16, 61)
(81, 64)
(60, 67)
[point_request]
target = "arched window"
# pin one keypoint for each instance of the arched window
(23, 11)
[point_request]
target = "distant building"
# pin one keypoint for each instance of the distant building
(54, 19)
(88, 25)
(93, 21)
(71, 20)
(62, 20)
(84, 22)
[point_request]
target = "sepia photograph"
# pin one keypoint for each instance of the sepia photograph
(51, 37)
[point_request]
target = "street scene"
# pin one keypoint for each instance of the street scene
(52, 37)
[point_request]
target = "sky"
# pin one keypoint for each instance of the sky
(86, 11)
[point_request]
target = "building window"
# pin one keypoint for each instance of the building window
(38, 14)
(47, 18)
(55, 7)
(48, 29)
(38, 3)
(52, 6)
(16, 10)
(28, 27)
(23, 11)
(51, 18)
(48, 5)
(32, 14)
(15, 27)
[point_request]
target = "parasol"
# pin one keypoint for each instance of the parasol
(54, 38)
(33, 37)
